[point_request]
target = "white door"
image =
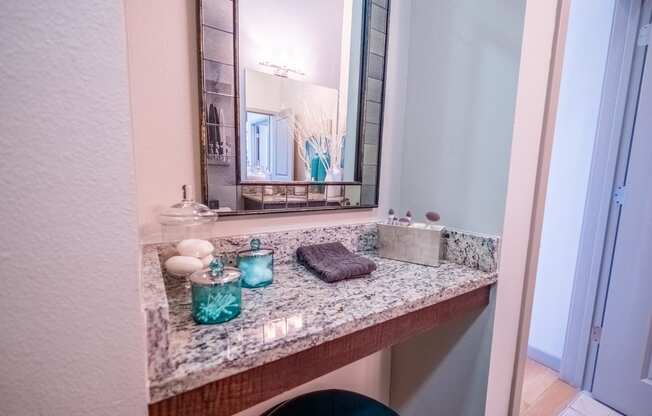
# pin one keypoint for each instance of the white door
(623, 375)
(283, 147)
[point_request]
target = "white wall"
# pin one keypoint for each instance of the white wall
(286, 32)
(463, 70)
(581, 86)
(73, 337)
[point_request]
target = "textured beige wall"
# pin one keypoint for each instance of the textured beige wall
(161, 44)
(73, 333)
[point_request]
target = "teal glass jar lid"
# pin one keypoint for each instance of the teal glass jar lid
(255, 250)
(215, 275)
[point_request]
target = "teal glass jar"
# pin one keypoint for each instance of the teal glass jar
(256, 265)
(216, 293)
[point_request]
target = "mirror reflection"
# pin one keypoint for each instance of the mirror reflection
(300, 81)
(292, 103)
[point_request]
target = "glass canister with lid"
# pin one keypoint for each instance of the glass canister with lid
(216, 293)
(256, 265)
(187, 212)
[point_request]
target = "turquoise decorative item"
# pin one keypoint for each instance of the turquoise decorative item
(256, 265)
(317, 168)
(216, 293)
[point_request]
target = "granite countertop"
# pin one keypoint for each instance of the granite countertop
(296, 312)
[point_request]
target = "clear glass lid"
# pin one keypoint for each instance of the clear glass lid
(187, 212)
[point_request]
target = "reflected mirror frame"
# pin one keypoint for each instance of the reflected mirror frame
(370, 111)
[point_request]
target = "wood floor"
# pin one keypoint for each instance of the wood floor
(544, 394)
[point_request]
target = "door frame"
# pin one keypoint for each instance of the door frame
(542, 51)
(601, 214)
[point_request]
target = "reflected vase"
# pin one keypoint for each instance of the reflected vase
(334, 175)
(317, 168)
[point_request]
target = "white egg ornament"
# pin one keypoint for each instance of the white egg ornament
(195, 248)
(182, 266)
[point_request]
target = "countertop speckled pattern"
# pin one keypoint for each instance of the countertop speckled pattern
(296, 312)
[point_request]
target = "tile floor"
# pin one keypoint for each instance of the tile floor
(584, 405)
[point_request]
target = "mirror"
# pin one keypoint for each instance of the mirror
(291, 133)
(292, 96)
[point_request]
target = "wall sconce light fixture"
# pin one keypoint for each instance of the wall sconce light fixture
(282, 70)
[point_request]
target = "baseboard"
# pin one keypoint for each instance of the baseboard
(544, 358)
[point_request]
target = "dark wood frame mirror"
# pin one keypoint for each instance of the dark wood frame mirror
(220, 134)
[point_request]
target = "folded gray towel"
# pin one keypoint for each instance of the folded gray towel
(333, 262)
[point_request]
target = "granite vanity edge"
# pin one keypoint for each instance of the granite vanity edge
(475, 250)
(154, 294)
(174, 386)
(157, 313)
